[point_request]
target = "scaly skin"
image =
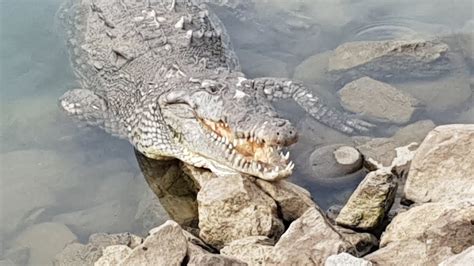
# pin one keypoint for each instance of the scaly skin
(163, 75)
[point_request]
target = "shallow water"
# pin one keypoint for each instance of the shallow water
(51, 170)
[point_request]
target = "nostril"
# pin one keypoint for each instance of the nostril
(291, 132)
(278, 133)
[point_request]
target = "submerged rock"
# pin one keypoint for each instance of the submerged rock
(335, 160)
(232, 208)
(370, 202)
(378, 101)
(443, 166)
(258, 65)
(390, 59)
(345, 259)
(313, 69)
(308, 241)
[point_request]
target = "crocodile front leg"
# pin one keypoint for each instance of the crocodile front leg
(280, 88)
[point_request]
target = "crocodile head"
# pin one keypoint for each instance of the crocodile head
(228, 127)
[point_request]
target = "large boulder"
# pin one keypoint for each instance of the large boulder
(233, 207)
(390, 59)
(370, 202)
(251, 250)
(378, 101)
(427, 234)
(443, 166)
(308, 241)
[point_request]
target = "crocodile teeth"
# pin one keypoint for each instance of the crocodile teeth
(286, 156)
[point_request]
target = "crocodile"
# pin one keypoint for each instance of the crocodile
(164, 76)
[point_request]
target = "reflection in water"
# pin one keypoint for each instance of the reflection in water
(176, 190)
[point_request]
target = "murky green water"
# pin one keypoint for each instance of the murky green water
(51, 170)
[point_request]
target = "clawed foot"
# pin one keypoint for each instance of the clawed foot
(359, 125)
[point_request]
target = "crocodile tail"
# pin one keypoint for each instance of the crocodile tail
(276, 88)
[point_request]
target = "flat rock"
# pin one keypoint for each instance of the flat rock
(443, 166)
(335, 160)
(345, 259)
(308, 241)
(44, 241)
(427, 234)
(378, 101)
(113, 255)
(292, 200)
(232, 208)
(251, 250)
(370, 202)
(166, 245)
(313, 69)
(389, 59)
(464, 258)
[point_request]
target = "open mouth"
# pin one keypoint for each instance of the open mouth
(247, 153)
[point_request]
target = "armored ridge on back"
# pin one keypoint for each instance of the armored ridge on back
(163, 75)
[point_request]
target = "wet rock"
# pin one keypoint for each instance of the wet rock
(111, 216)
(370, 202)
(80, 254)
(381, 152)
(308, 241)
(378, 101)
(446, 93)
(232, 208)
(258, 65)
(166, 245)
(443, 166)
(343, 259)
(149, 212)
(313, 70)
(464, 258)
(427, 234)
(363, 242)
(251, 250)
(335, 160)
(113, 255)
(389, 59)
(44, 241)
(292, 200)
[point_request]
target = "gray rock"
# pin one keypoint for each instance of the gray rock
(150, 213)
(378, 101)
(313, 69)
(308, 241)
(166, 245)
(381, 152)
(44, 241)
(292, 200)
(345, 259)
(232, 208)
(427, 234)
(370, 202)
(363, 242)
(113, 255)
(251, 250)
(464, 258)
(443, 166)
(17, 255)
(389, 59)
(447, 93)
(335, 160)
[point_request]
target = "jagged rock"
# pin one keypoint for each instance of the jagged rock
(464, 258)
(308, 241)
(335, 160)
(76, 254)
(251, 250)
(113, 255)
(232, 208)
(443, 166)
(370, 202)
(166, 245)
(447, 93)
(258, 65)
(44, 241)
(390, 59)
(363, 242)
(313, 69)
(199, 175)
(381, 152)
(345, 259)
(378, 101)
(427, 234)
(291, 199)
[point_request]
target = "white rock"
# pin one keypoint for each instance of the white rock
(113, 255)
(464, 258)
(345, 259)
